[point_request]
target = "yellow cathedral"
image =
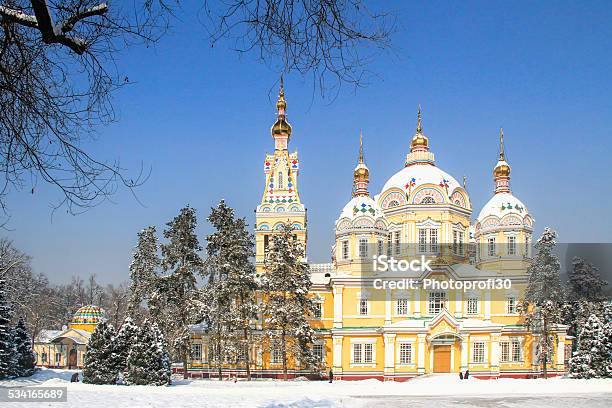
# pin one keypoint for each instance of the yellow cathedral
(421, 212)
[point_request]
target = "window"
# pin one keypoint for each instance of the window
(511, 245)
(389, 245)
(345, 250)
(517, 354)
(44, 357)
(196, 352)
(401, 307)
(396, 236)
(281, 182)
(363, 307)
(428, 240)
(405, 353)
(318, 310)
(458, 242)
(491, 246)
(380, 247)
(318, 351)
(266, 243)
(428, 200)
(363, 353)
(422, 240)
(436, 302)
(472, 306)
(478, 352)
(505, 351)
(511, 305)
(276, 354)
(363, 247)
(58, 358)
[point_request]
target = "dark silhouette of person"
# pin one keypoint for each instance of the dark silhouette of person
(460, 375)
(75, 377)
(467, 374)
(331, 376)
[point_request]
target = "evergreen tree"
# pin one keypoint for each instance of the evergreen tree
(287, 307)
(230, 291)
(23, 346)
(7, 346)
(544, 296)
(590, 359)
(148, 362)
(122, 344)
(176, 303)
(100, 363)
(143, 269)
(607, 334)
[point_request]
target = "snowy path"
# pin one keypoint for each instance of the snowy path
(438, 391)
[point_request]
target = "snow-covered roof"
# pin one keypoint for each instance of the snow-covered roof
(502, 204)
(422, 174)
(45, 336)
(361, 205)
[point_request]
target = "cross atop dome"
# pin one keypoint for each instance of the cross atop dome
(419, 145)
(501, 172)
(281, 130)
(361, 175)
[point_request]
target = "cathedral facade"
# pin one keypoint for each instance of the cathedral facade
(369, 325)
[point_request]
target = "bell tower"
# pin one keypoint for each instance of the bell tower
(280, 202)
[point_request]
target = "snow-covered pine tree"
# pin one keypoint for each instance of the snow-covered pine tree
(99, 364)
(25, 366)
(7, 345)
(143, 269)
(544, 296)
(176, 300)
(287, 307)
(230, 290)
(148, 362)
(122, 344)
(585, 292)
(590, 359)
(607, 320)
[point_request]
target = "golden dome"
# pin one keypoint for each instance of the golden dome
(502, 169)
(419, 140)
(281, 126)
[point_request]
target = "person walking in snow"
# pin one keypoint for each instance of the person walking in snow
(331, 376)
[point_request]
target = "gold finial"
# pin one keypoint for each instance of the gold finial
(501, 144)
(281, 104)
(360, 146)
(465, 182)
(419, 128)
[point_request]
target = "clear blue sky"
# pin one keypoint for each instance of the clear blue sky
(200, 118)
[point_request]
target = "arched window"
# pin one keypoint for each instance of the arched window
(393, 203)
(281, 181)
(428, 200)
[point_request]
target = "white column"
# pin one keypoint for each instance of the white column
(487, 305)
(459, 303)
(421, 357)
(465, 347)
(337, 357)
(494, 365)
(338, 306)
(389, 354)
(417, 303)
(560, 353)
(388, 307)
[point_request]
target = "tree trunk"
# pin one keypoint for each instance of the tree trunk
(545, 351)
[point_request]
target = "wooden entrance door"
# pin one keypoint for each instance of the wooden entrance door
(72, 359)
(442, 359)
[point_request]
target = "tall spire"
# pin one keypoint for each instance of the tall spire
(501, 172)
(419, 145)
(281, 130)
(419, 128)
(501, 144)
(361, 175)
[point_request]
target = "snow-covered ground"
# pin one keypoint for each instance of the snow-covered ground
(439, 390)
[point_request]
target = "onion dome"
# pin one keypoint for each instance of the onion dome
(361, 175)
(501, 172)
(419, 140)
(419, 146)
(89, 314)
(281, 127)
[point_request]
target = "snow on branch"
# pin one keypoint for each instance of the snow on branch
(18, 17)
(98, 10)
